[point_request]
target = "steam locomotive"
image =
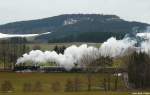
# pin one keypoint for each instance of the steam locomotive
(49, 69)
(46, 69)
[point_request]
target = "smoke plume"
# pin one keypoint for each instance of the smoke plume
(71, 55)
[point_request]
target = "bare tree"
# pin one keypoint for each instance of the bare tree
(56, 86)
(69, 87)
(27, 87)
(104, 84)
(109, 82)
(10, 50)
(77, 84)
(89, 81)
(38, 87)
(116, 81)
(7, 86)
(94, 62)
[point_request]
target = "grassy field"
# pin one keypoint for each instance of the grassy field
(46, 79)
(70, 93)
(50, 46)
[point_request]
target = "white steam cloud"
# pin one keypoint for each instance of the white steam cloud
(113, 47)
(73, 54)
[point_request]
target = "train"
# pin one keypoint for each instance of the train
(46, 69)
(49, 69)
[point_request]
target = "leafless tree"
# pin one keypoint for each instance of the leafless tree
(69, 87)
(27, 87)
(7, 86)
(77, 84)
(104, 84)
(56, 86)
(38, 87)
(10, 50)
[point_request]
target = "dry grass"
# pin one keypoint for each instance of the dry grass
(18, 79)
(51, 46)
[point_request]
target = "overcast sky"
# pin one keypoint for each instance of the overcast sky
(17, 10)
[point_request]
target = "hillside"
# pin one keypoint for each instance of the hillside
(75, 27)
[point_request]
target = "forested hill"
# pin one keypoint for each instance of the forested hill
(75, 27)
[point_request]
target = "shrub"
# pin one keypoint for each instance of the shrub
(56, 86)
(77, 84)
(38, 87)
(69, 87)
(7, 86)
(27, 87)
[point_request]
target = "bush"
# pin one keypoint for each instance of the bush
(56, 86)
(7, 86)
(77, 84)
(69, 87)
(27, 87)
(38, 87)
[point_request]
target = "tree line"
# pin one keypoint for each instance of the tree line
(138, 66)
(10, 50)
